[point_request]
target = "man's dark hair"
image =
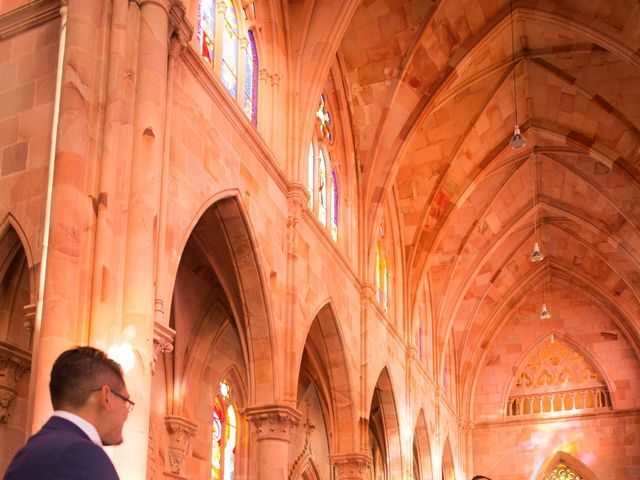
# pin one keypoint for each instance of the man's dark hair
(480, 477)
(77, 372)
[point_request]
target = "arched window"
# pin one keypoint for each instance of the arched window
(322, 178)
(228, 46)
(230, 49)
(224, 434)
(382, 269)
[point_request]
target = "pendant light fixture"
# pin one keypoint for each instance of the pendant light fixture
(536, 255)
(517, 140)
(545, 314)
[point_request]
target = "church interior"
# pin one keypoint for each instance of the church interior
(329, 239)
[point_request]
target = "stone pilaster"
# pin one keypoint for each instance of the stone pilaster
(14, 362)
(355, 466)
(273, 426)
(180, 431)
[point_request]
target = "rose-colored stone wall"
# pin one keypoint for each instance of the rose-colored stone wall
(608, 445)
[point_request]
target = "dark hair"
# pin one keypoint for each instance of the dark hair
(480, 477)
(79, 370)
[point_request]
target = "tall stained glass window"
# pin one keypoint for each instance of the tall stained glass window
(206, 29)
(230, 49)
(322, 189)
(382, 269)
(322, 179)
(224, 434)
(251, 80)
(218, 36)
(334, 206)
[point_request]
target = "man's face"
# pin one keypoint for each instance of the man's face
(112, 434)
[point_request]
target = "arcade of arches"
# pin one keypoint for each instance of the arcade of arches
(302, 229)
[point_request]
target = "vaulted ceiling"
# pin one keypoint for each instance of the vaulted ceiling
(432, 88)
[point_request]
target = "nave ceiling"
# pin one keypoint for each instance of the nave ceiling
(430, 93)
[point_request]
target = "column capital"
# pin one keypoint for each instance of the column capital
(352, 466)
(162, 342)
(14, 362)
(274, 421)
(180, 432)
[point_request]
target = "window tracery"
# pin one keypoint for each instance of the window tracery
(556, 379)
(228, 46)
(322, 178)
(563, 472)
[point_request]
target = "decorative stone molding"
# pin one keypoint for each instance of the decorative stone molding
(274, 421)
(14, 362)
(162, 342)
(29, 16)
(180, 432)
(355, 466)
(29, 317)
(300, 463)
(180, 30)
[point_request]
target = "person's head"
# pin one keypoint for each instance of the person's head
(86, 382)
(480, 477)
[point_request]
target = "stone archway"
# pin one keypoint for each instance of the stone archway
(423, 469)
(17, 314)
(384, 430)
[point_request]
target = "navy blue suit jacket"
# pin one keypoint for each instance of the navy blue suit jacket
(61, 451)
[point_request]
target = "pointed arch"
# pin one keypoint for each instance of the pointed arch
(564, 458)
(423, 469)
(448, 466)
(384, 428)
(221, 245)
(324, 360)
(556, 385)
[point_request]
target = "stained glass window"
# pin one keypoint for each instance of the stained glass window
(224, 434)
(334, 206)
(230, 49)
(206, 29)
(238, 68)
(322, 189)
(562, 472)
(382, 270)
(322, 180)
(251, 81)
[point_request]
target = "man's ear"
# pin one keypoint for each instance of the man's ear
(104, 398)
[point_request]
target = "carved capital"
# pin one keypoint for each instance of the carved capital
(180, 432)
(368, 294)
(274, 422)
(14, 362)
(29, 317)
(354, 466)
(162, 342)
(180, 30)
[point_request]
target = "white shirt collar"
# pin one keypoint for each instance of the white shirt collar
(82, 424)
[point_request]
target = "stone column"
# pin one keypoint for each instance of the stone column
(273, 425)
(180, 431)
(354, 466)
(14, 362)
(135, 333)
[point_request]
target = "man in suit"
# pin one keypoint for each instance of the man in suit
(91, 404)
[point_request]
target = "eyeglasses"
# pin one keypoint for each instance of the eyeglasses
(130, 403)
